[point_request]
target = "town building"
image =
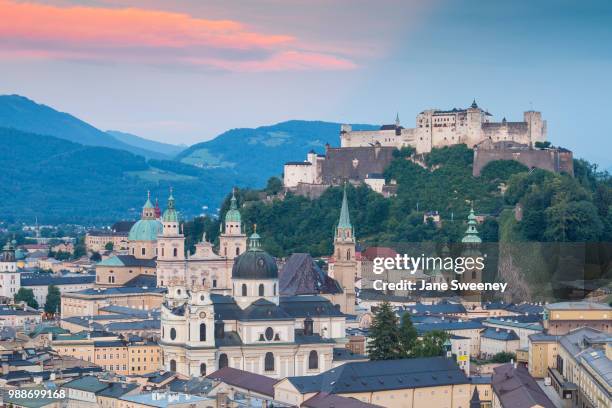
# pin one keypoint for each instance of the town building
(10, 278)
(514, 387)
(495, 340)
(88, 302)
(561, 318)
(117, 236)
(522, 329)
(39, 284)
(409, 383)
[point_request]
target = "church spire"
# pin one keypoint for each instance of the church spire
(397, 120)
(471, 234)
(474, 104)
(345, 220)
(170, 215)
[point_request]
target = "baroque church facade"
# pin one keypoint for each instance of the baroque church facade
(251, 325)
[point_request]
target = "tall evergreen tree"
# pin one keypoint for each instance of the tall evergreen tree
(385, 338)
(52, 304)
(408, 336)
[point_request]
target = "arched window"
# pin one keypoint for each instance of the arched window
(269, 362)
(313, 360)
(222, 361)
(110, 279)
(237, 251)
(172, 365)
(202, 369)
(172, 334)
(348, 254)
(175, 252)
(203, 332)
(244, 289)
(261, 289)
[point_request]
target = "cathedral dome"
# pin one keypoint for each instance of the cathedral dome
(255, 263)
(145, 230)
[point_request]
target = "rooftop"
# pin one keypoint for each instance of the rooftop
(163, 399)
(246, 380)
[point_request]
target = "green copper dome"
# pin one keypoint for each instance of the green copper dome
(170, 215)
(145, 230)
(233, 215)
(471, 234)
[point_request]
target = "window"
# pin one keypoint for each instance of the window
(214, 283)
(202, 369)
(244, 289)
(348, 254)
(175, 252)
(261, 289)
(237, 251)
(274, 293)
(308, 326)
(269, 362)
(172, 334)
(269, 333)
(172, 365)
(223, 361)
(163, 252)
(203, 332)
(143, 251)
(313, 360)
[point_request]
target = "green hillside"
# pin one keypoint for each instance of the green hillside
(23, 114)
(263, 151)
(59, 181)
(166, 149)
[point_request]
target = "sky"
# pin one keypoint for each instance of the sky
(184, 71)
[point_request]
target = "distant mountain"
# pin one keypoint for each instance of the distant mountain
(166, 149)
(59, 181)
(263, 151)
(21, 113)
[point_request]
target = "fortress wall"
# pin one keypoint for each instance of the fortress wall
(555, 160)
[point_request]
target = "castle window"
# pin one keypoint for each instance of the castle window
(223, 361)
(173, 365)
(172, 335)
(203, 332)
(202, 369)
(269, 362)
(269, 334)
(313, 360)
(244, 289)
(261, 289)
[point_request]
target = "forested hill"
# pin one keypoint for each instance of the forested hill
(58, 181)
(555, 207)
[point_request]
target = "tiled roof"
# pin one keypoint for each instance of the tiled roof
(516, 388)
(46, 280)
(87, 383)
(302, 276)
(501, 335)
(383, 375)
(246, 380)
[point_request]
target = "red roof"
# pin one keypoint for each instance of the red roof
(378, 252)
(246, 380)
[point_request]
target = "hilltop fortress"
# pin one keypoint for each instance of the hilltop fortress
(363, 155)
(438, 128)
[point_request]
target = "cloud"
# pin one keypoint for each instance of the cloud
(138, 35)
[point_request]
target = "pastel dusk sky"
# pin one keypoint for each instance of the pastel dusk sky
(184, 71)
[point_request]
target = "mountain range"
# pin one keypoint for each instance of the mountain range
(59, 168)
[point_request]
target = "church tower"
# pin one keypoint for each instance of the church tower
(10, 278)
(170, 248)
(345, 266)
(471, 249)
(232, 242)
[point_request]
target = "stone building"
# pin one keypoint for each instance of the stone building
(96, 240)
(10, 278)
(254, 326)
(438, 128)
(561, 318)
(557, 160)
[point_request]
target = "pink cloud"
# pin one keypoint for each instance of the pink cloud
(31, 30)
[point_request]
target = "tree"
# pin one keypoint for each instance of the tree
(52, 303)
(385, 338)
(96, 257)
(432, 344)
(503, 357)
(274, 186)
(108, 246)
(27, 296)
(408, 335)
(79, 248)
